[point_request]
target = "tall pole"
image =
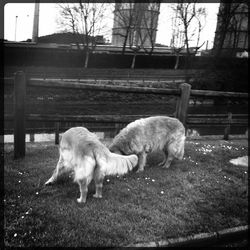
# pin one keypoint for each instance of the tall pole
(16, 28)
(35, 22)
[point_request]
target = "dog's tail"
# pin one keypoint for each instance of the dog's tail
(120, 164)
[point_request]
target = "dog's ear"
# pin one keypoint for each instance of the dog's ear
(115, 150)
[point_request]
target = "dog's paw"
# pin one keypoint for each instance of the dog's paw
(80, 200)
(165, 166)
(139, 170)
(97, 196)
(161, 164)
(47, 183)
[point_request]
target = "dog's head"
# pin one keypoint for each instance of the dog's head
(116, 150)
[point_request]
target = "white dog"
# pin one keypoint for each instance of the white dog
(82, 153)
(150, 134)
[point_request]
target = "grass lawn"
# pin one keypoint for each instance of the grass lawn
(202, 193)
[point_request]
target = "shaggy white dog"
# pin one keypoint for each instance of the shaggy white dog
(150, 134)
(83, 153)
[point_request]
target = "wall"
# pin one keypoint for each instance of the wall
(228, 74)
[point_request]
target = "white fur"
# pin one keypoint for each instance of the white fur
(82, 153)
(150, 134)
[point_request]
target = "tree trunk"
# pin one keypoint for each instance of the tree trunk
(124, 44)
(133, 61)
(186, 68)
(177, 61)
(86, 60)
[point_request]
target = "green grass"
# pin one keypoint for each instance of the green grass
(202, 193)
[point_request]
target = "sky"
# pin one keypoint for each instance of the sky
(18, 22)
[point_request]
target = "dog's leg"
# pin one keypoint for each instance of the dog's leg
(98, 178)
(83, 175)
(168, 161)
(57, 172)
(171, 152)
(141, 161)
(163, 162)
(83, 185)
(180, 153)
(175, 150)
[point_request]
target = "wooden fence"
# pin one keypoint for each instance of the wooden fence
(183, 93)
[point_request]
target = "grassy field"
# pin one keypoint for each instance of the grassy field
(202, 193)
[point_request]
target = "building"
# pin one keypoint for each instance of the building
(135, 24)
(231, 36)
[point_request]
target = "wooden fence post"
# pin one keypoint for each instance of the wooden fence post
(57, 133)
(182, 107)
(19, 114)
(32, 137)
(228, 127)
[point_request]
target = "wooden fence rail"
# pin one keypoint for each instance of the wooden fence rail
(183, 93)
(211, 93)
(110, 88)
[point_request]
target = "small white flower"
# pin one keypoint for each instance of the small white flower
(153, 180)
(22, 217)
(37, 193)
(15, 235)
(107, 180)
(162, 192)
(19, 181)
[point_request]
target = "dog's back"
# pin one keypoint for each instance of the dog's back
(151, 134)
(78, 143)
(148, 134)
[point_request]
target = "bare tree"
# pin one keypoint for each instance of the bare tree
(190, 20)
(177, 42)
(124, 17)
(149, 23)
(136, 37)
(84, 20)
(136, 24)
